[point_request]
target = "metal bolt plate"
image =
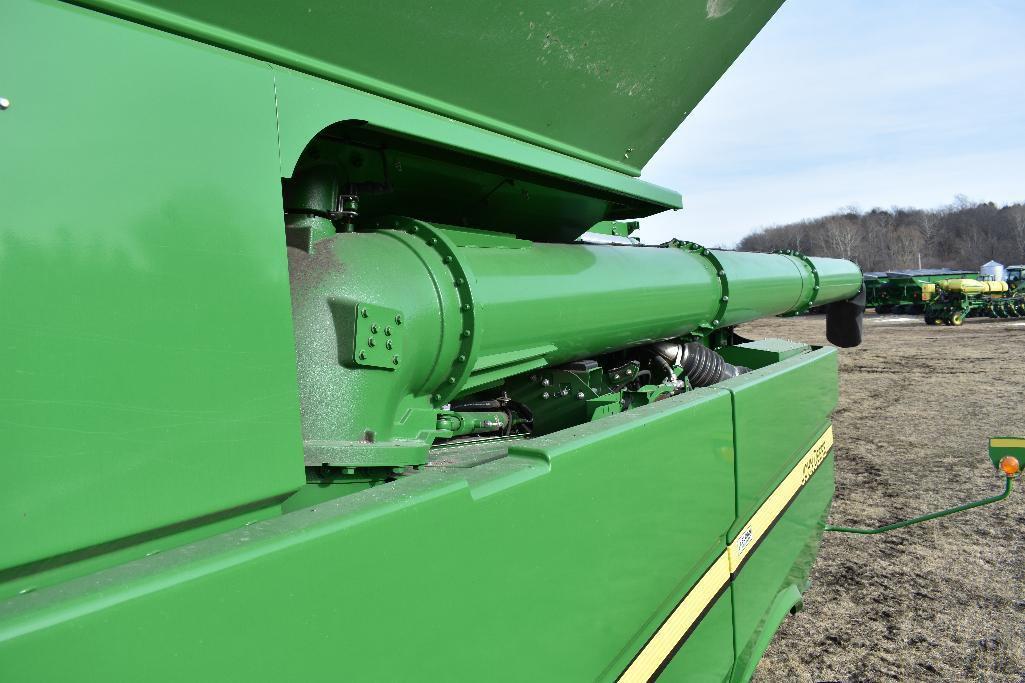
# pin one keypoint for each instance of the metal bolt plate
(377, 338)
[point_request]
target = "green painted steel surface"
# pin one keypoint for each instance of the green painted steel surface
(773, 580)
(781, 410)
(553, 563)
(487, 176)
(833, 278)
(705, 657)
(506, 307)
(774, 406)
(154, 439)
(762, 352)
(510, 546)
(148, 356)
(604, 82)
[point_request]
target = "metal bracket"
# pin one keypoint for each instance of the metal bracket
(618, 377)
(1008, 485)
(378, 337)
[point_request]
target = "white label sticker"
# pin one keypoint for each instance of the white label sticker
(745, 540)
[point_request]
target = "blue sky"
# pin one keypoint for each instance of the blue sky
(852, 103)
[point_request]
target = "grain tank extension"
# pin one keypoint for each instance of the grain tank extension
(335, 359)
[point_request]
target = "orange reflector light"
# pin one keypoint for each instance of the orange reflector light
(1009, 465)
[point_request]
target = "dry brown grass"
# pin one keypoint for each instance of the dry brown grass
(942, 601)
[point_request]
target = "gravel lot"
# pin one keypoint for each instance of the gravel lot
(942, 601)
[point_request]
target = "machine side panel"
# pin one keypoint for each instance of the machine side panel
(703, 657)
(556, 563)
(779, 410)
(783, 441)
(777, 573)
(148, 364)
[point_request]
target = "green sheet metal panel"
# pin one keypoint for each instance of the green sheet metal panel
(602, 81)
(148, 366)
(778, 408)
(555, 563)
(307, 105)
(780, 412)
(703, 657)
(776, 574)
(762, 352)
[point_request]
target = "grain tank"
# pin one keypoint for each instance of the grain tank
(328, 363)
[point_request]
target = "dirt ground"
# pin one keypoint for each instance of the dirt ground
(945, 600)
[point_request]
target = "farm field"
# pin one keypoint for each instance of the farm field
(944, 600)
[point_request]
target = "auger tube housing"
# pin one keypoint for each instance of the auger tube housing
(478, 308)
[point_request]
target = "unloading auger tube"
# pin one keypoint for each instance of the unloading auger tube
(397, 325)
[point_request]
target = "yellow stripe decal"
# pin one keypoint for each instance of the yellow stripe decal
(780, 498)
(667, 640)
(1007, 443)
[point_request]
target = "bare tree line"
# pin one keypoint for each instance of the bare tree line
(964, 234)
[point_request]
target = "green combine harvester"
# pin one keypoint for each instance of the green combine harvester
(317, 370)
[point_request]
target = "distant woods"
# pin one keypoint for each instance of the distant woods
(963, 235)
